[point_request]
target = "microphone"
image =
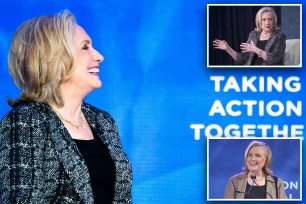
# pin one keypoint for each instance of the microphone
(249, 194)
(254, 181)
(263, 189)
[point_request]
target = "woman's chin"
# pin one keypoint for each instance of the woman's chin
(96, 84)
(253, 169)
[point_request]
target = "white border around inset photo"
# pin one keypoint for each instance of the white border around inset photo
(251, 139)
(251, 66)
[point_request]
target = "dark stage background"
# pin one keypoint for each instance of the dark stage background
(234, 23)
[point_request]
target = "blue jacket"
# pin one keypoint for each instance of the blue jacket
(40, 163)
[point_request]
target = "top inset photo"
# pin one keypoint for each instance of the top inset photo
(256, 36)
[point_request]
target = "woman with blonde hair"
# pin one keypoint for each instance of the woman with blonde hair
(265, 45)
(256, 181)
(54, 147)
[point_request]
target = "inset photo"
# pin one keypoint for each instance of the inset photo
(254, 169)
(256, 36)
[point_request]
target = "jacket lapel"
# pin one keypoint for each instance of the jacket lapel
(91, 117)
(271, 187)
(270, 42)
(241, 185)
(256, 38)
(71, 158)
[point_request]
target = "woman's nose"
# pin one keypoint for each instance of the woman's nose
(98, 57)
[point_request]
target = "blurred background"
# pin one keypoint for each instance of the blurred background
(155, 85)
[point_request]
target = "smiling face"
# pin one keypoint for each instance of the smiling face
(267, 22)
(256, 159)
(85, 77)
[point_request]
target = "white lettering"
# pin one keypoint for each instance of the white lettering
(231, 84)
(248, 130)
(232, 130)
(279, 132)
(264, 129)
(217, 128)
(197, 128)
(251, 107)
(217, 108)
(250, 104)
(297, 109)
(279, 106)
(217, 80)
(248, 84)
(268, 84)
(278, 85)
(229, 108)
(291, 185)
(296, 86)
(297, 130)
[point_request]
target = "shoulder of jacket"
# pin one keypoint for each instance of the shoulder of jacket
(23, 116)
(254, 33)
(32, 109)
(275, 178)
(279, 34)
(239, 176)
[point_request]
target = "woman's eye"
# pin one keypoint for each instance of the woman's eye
(85, 47)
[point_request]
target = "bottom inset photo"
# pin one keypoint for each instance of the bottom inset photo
(254, 169)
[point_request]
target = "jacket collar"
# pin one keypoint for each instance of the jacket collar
(271, 41)
(90, 114)
(242, 183)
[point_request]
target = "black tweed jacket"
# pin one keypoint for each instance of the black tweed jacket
(275, 49)
(40, 163)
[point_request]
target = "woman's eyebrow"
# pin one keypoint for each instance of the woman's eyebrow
(86, 42)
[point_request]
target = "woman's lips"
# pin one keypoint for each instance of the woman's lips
(93, 70)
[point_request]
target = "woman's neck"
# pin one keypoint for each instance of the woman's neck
(264, 35)
(72, 102)
(258, 174)
(71, 109)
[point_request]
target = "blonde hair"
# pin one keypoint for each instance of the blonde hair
(259, 15)
(42, 56)
(266, 169)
